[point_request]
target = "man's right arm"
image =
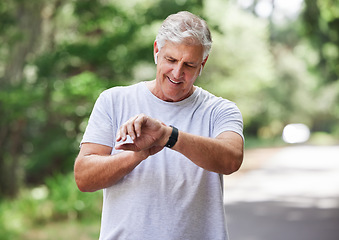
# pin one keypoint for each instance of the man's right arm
(95, 168)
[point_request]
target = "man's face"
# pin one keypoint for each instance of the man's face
(177, 69)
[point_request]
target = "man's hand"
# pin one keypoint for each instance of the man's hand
(149, 135)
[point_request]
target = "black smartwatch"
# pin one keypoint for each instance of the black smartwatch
(173, 138)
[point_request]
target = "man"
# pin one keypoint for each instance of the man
(161, 181)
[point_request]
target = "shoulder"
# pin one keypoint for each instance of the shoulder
(212, 100)
(225, 114)
(220, 109)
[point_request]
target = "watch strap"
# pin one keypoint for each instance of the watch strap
(173, 138)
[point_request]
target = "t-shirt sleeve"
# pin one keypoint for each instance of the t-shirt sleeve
(228, 118)
(100, 125)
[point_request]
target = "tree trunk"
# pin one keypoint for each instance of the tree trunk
(28, 24)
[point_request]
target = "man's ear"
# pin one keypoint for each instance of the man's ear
(203, 65)
(204, 62)
(155, 52)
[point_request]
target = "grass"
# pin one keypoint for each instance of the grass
(55, 210)
(69, 229)
(316, 138)
(254, 142)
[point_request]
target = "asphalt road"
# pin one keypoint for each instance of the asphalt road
(285, 194)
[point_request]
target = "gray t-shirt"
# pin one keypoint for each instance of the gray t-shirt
(167, 196)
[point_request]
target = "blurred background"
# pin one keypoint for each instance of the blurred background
(277, 59)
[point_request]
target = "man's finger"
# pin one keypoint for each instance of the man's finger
(123, 133)
(138, 124)
(131, 130)
(118, 138)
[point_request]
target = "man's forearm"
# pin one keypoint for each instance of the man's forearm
(223, 154)
(94, 172)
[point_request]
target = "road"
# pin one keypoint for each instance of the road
(288, 193)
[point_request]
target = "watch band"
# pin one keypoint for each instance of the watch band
(173, 138)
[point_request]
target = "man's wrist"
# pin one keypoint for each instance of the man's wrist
(140, 156)
(173, 138)
(166, 135)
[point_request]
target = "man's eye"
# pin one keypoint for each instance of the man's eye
(170, 60)
(190, 66)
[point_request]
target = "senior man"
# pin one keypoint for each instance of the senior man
(159, 148)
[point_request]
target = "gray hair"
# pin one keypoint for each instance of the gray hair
(185, 27)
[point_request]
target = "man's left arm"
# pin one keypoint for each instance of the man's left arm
(223, 154)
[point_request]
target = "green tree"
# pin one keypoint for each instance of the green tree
(56, 57)
(304, 53)
(321, 28)
(240, 64)
(20, 33)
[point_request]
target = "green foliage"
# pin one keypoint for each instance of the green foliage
(323, 139)
(321, 24)
(58, 200)
(304, 66)
(321, 29)
(240, 39)
(69, 202)
(57, 123)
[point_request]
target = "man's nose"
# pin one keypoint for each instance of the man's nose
(178, 71)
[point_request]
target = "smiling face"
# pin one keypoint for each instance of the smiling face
(177, 69)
